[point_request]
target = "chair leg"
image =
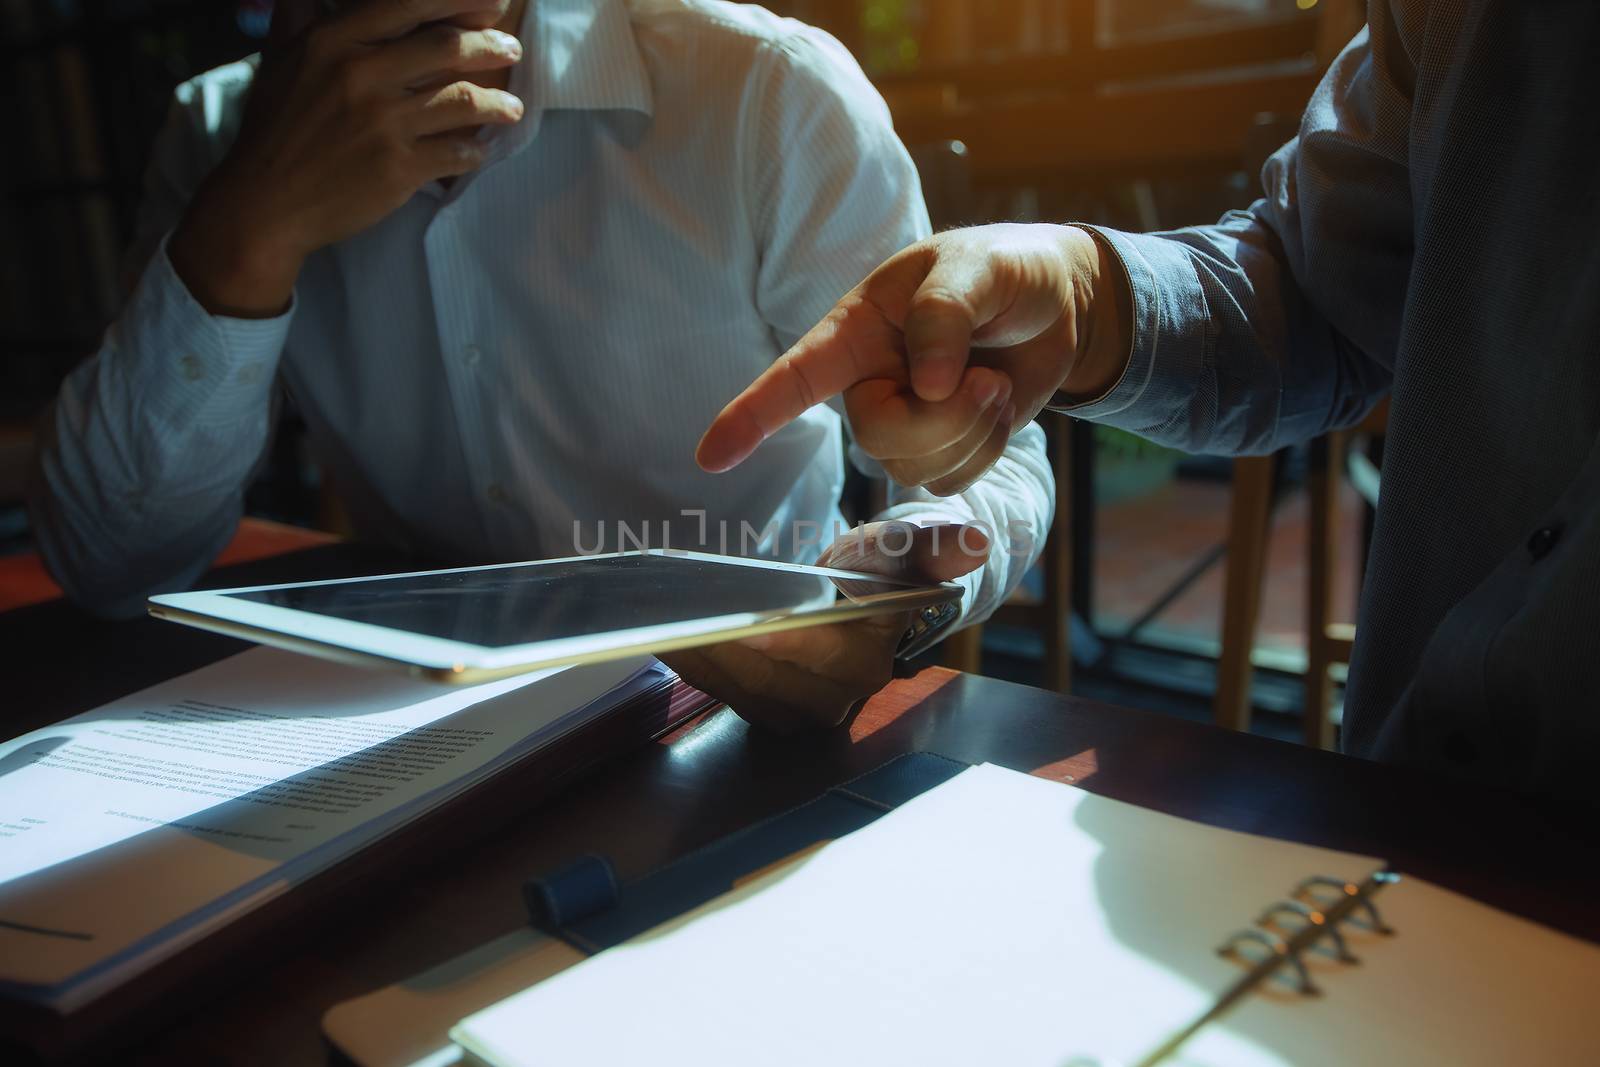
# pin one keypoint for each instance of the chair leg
(1322, 488)
(1058, 566)
(1249, 524)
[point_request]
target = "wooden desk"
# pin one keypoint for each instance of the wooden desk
(24, 579)
(718, 775)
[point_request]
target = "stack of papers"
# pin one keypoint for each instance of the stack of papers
(131, 831)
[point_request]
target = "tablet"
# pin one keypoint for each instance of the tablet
(475, 624)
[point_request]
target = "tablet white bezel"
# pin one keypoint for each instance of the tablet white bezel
(462, 662)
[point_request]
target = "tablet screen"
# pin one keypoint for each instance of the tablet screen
(501, 606)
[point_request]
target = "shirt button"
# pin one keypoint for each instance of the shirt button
(497, 494)
(471, 354)
(1543, 540)
(192, 367)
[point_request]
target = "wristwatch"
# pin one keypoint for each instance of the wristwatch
(927, 626)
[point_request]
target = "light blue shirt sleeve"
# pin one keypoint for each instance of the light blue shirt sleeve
(144, 457)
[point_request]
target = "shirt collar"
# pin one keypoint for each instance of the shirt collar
(577, 55)
(580, 55)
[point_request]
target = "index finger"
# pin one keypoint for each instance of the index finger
(860, 339)
(854, 343)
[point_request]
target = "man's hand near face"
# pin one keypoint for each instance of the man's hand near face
(815, 677)
(344, 123)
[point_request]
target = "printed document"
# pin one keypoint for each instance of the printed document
(130, 830)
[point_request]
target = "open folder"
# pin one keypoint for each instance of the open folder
(1001, 918)
(135, 830)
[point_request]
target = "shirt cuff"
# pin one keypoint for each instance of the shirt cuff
(1161, 281)
(924, 514)
(192, 365)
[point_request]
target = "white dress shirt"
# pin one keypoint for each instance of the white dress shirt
(520, 366)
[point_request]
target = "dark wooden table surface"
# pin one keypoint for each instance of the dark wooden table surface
(716, 775)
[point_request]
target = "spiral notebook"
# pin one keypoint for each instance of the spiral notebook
(1001, 918)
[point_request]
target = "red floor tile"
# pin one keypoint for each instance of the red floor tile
(1145, 543)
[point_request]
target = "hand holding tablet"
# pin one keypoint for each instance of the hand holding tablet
(816, 677)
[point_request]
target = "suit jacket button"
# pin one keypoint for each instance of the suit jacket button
(1543, 540)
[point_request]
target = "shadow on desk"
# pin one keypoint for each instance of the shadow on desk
(1525, 855)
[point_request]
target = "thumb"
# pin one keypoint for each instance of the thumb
(898, 548)
(942, 553)
(958, 297)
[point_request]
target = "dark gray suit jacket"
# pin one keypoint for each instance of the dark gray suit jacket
(1434, 230)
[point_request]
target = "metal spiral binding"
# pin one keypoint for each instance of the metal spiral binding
(1287, 947)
